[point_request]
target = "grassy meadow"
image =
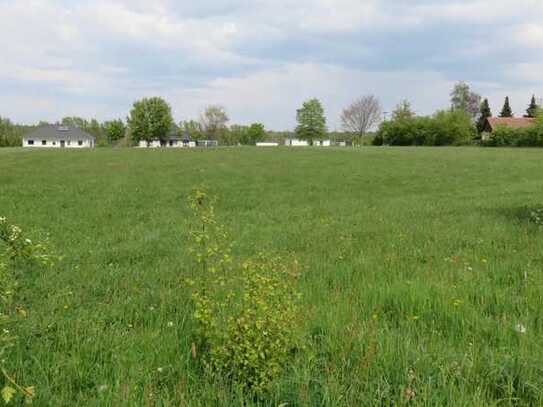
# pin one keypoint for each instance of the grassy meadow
(420, 267)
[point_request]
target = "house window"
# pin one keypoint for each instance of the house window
(80, 143)
(44, 142)
(54, 143)
(30, 142)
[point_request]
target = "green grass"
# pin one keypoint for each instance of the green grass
(418, 265)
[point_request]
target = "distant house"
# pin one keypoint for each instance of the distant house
(267, 144)
(319, 143)
(57, 136)
(322, 143)
(207, 143)
(492, 123)
(172, 142)
(294, 142)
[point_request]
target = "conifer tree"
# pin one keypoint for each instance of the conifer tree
(532, 109)
(506, 110)
(484, 114)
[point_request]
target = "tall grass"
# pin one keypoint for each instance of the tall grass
(421, 272)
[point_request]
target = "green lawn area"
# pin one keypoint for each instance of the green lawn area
(418, 265)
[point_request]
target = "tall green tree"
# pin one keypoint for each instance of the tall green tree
(256, 133)
(114, 130)
(311, 121)
(484, 114)
(533, 109)
(150, 119)
(506, 110)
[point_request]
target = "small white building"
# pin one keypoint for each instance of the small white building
(322, 143)
(294, 142)
(57, 136)
(267, 144)
(207, 143)
(172, 142)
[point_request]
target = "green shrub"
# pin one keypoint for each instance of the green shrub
(444, 128)
(505, 136)
(247, 313)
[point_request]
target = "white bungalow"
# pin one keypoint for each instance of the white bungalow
(322, 143)
(267, 144)
(294, 142)
(57, 136)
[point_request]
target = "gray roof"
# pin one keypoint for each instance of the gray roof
(58, 132)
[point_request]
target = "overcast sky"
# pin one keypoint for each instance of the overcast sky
(262, 58)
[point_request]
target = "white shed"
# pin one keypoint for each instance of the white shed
(322, 143)
(294, 142)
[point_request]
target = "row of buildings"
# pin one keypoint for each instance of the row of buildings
(55, 136)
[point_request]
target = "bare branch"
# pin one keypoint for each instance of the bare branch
(362, 115)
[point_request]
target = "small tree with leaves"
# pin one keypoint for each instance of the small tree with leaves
(484, 114)
(463, 99)
(150, 119)
(311, 121)
(506, 110)
(533, 109)
(114, 130)
(403, 111)
(213, 121)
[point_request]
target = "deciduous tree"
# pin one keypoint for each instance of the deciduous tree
(114, 130)
(311, 121)
(361, 115)
(463, 99)
(150, 119)
(192, 127)
(213, 121)
(403, 111)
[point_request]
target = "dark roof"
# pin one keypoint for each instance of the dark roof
(511, 122)
(58, 132)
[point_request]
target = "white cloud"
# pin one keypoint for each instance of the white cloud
(260, 58)
(272, 96)
(530, 35)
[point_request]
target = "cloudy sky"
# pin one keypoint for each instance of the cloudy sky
(262, 58)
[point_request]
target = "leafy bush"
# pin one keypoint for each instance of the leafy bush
(505, 136)
(444, 128)
(247, 313)
(16, 248)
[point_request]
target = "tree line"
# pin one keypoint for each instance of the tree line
(362, 122)
(464, 123)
